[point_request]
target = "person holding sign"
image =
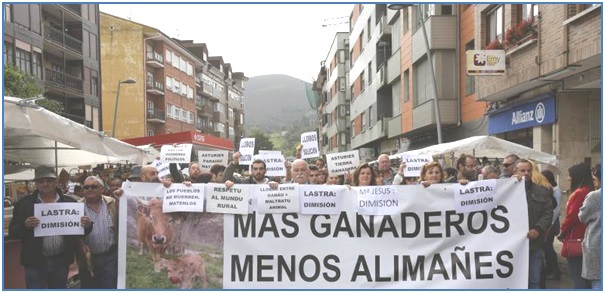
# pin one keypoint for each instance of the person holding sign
(100, 246)
(540, 213)
(46, 259)
(178, 177)
(431, 173)
(259, 169)
(364, 175)
(388, 172)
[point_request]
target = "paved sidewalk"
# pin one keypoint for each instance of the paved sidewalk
(566, 281)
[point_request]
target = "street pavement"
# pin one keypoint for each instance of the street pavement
(565, 282)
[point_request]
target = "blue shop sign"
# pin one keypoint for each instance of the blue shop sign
(536, 113)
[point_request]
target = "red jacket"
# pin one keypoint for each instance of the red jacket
(571, 227)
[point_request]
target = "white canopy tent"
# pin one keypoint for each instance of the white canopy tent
(35, 136)
(484, 146)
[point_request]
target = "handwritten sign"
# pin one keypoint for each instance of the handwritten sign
(377, 200)
(246, 149)
(163, 168)
(341, 163)
(180, 153)
(208, 158)
(321, 199)
(310, 145)
(275, 162)
(413, 164)
(283, 199)
(59, 219)
(475, 196)
(224, 200)
(182, 198)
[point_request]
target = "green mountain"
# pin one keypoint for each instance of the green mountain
(275, 102)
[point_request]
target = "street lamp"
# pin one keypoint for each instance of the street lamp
(430, 59)
(115, 112)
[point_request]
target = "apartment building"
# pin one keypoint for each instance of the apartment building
(550, 97)
(333, 98)
(58, 44)
(178, 87)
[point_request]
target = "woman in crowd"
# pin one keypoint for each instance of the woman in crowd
(379, 177)
(551, 270)
(322, 176)
(335, 180)
(590, 214)
(431, 173)
(364, 175)
(581, 184)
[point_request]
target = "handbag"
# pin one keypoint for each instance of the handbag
(571, 247)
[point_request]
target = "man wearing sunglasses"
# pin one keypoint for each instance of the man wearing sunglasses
(46, 259)
(509, 166)
(98, 253)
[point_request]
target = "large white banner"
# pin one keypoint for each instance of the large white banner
(425, 245)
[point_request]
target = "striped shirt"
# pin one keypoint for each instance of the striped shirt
(101, 238)
(51, 245)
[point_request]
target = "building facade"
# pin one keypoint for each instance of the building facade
(549, 98)
(184, 89)
(59, 46)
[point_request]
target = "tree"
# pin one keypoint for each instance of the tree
(20, 85)
(261, 142)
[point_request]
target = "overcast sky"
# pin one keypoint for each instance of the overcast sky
(257, 39)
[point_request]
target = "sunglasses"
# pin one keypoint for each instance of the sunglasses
(87, 187)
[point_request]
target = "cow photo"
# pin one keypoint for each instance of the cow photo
(181, 250)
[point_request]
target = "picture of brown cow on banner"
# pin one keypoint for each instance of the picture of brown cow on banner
(168, 250)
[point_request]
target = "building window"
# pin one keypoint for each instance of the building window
(495, 25)
(7, 13)
(420, 82)
(191, 117)
(364, 125)
(220, 127)
(527, 11)
(370, 117)
(150, 107)
(169, 110)
(94, 86)
(574, 9)
(369, 34)
(230, 113)
(23, 60)
(169, 83)
(362, 81)
(8, 52)
(231, 131)
(469, 86)
(150, 132)
(370, 72)
(37, 65)
(342, 56)
(342, 83)
(168, 56)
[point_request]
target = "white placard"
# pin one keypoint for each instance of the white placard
(310, 145)
(413, 164)
(163, 168)
(275, 162)
(283, 199)
(475, 196)
(246, 149)
(62, 218)
(425, 246)
(181, 153)
(341, 163)
(377, 200)
(208, 158)
(182, 198)
(320, 199)
(234, 200)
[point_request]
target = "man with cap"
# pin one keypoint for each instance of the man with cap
(46, 259)
(100, 246)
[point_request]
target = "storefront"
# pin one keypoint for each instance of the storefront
(200, 141)
(515, 123)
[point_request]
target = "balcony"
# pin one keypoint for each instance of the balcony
(155, 59)
(199, 104)
(60, 38)
(424, 114)
(74, 8)
(155, 88)
(383, 26)
(60, 79)
(155, 116)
